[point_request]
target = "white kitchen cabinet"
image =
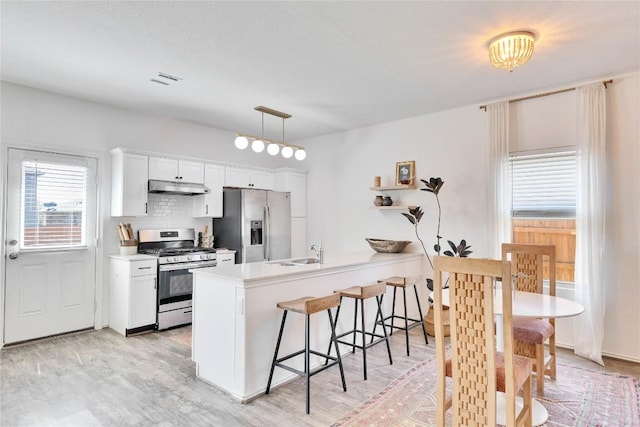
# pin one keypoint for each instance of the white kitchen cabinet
(129, 183)
(249, 178)
(167, 169)
(299, 246)
(296, 184)
(224, 258)
(210, 204)
(133, 293)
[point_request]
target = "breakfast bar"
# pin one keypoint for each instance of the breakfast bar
(235, 319)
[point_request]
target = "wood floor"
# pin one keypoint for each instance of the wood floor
(99, 378)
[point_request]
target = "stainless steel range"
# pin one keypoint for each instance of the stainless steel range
(177, 254)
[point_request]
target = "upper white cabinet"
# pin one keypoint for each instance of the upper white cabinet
(129, 187)
(166, 169)
(249, 178)
(296, 184)
(210, 204)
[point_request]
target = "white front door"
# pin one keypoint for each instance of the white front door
(50, 244)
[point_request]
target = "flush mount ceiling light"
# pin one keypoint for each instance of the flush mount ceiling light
(511, 50)
(273, 147)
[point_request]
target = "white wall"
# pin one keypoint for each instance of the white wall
(33, 118)
(454, 145)
(450, 144)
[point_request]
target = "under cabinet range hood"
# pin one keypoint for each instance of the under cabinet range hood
(176, 187)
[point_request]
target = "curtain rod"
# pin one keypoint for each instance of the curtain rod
(541, 95)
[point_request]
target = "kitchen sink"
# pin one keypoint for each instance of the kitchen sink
(298, 262)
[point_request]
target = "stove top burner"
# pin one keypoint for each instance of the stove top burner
(163, 252)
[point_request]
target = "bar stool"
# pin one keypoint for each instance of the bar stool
(362, 293)
(308, 306)
(402, 282)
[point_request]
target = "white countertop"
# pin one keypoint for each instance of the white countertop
(135, 257)
(270, 269)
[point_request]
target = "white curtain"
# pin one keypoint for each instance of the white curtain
(500, 182)
(590, 221)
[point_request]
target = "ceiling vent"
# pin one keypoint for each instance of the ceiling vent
(165, 79)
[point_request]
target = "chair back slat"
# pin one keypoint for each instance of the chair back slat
(472, 353)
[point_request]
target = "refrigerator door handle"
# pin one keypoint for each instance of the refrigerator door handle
(265, 233)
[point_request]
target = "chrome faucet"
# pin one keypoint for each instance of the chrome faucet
(319, 252)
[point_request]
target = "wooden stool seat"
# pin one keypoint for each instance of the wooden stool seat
(401, 282)
(362, 293)
(308, 306)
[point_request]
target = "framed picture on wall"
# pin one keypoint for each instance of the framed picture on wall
(405, 173)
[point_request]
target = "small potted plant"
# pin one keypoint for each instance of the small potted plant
(461, 250)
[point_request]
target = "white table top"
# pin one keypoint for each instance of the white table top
(528, 304)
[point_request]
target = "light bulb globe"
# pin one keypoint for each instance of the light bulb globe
(287, 152)
(301, 154)
(273, 149)
(257, 145)
(241, 142)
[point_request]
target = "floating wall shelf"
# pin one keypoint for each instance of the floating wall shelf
(394, 187)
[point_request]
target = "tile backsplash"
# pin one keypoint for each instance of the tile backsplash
(164, 211)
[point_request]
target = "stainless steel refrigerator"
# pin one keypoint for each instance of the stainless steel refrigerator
(256, 224)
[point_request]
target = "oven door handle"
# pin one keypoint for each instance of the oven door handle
(186, 265)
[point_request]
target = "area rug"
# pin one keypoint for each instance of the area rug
(578, 398)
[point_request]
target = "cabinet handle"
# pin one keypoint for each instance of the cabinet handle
(155, 283)
(206, 209)
(144, 268)
(145, 207)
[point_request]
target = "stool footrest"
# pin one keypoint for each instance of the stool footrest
(415, 323)
(312, 372)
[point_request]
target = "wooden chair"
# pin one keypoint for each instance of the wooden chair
(530, 335)
(477, 370)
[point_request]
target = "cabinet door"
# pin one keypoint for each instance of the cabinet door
(262, 180)
(142, 301)
(189, 171)
(163, 169)
(296, 184)
(134, 185)
(299, 238)
(236, 177)
(210, 204)
(226, 258)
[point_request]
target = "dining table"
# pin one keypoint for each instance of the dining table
(532, 305)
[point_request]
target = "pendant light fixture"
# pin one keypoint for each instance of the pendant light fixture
(273, 147)
(511, 50)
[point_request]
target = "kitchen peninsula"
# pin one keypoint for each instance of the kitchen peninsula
(236, 321)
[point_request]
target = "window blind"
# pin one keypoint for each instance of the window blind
(53, 205)
(544, 185)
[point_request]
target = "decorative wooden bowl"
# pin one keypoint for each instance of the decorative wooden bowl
(387, 246)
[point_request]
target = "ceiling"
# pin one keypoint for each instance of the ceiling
(332, 65)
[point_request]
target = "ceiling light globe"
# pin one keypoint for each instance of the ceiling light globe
(301, 154)
(287, 152)
(273, 149)
(511, 50)
(241, 142)
(257, 145)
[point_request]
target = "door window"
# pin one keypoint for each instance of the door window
(53, 205)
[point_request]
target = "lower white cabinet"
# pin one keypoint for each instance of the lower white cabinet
(133, 285)
(224, 258)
